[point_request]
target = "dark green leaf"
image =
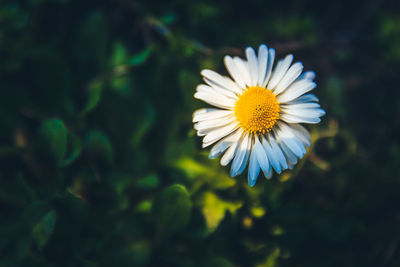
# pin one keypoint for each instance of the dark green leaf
(94, 95)
(119, 55)
(172, 210)
(99, 147)
(75, 150)
(218, 262)
(150, 181)
(144, 125)
(137, 254)
(42, 231)
(54, 137)
(140, 57)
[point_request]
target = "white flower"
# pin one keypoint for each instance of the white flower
(257, 114)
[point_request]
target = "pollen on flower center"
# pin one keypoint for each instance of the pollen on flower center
(257, 110)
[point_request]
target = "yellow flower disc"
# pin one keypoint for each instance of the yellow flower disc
(257, 110)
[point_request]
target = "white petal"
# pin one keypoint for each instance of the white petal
(291, 75)
(290, 157)
(296, 90)
(212, 78)
(246, 157)
(277, 151)
(254, 168)
(215, 88)
(229, 154)
(213, 123)
(291, 165)
(243, 69)
(301, 133)
(215, 99)
(202, 133)
(210, 113)
(202, 112)
(303, 130)
(306, 105)
(262, 63)
(233, 86)
(303, 113)
(289, 133)
(295, 119)
(234, 71)
(273, 158)
(308, 75)
(270, 62)
(280, 70)
(286, 136)
(261, 156)
(223, 144)
(218, 133)
(242, 155)
(303, 99)
(252, 65)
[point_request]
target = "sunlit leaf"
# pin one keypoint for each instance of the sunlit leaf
(150, 181)
(214, 209)
(272, 258)
(257, 212)
(211, 174)
(144, 206)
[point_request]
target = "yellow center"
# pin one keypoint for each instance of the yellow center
(257, 110)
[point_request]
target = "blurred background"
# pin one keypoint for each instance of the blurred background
(100, 165)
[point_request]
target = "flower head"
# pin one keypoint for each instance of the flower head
(257, 113)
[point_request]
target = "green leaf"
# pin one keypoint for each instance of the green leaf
(168, 18)
(214, 209)
(136, 254)
(144, 125)
(54, 138)
(257, 211)
(172, 210)
(91, 44)
(144, 206)
(94, 95)
(272, 258)
(218, 262)
(140, 57)
(119, 55)
(42, 231)
(150, 181)
(34, 212)
(212, 174)
(121, 84)
(75, 149)
(99, 147)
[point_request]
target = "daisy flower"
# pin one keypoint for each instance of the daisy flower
(257, 113)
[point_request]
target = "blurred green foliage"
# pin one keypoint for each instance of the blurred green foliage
(100, 166)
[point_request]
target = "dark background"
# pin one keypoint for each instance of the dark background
(100, 165)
